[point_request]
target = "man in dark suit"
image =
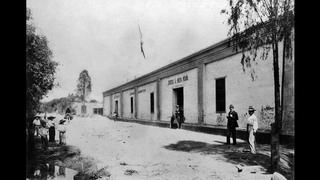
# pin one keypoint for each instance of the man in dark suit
(232, 125)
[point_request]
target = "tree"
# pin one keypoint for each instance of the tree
(40, 74)
(93, 101)
(263, 24)
(84, 85)
(40, 68)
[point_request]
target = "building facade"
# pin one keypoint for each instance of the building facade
(204, 84)
(88, 108)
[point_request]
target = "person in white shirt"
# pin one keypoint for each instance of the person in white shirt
(36, 123)
(252, 127)
(62, 132)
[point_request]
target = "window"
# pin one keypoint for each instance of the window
(131, 100)
(220, 95)
(152, 102)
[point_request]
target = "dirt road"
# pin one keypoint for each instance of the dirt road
(134, 151)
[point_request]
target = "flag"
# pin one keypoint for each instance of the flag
(141, 42)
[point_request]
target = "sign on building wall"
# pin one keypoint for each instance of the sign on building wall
(142, 90)
(177, 80)
(116, 96)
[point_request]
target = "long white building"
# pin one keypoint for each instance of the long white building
(205, 84)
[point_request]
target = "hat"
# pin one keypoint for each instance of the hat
(231, 106)
(62, 121)
(251, 108)
(51, 117)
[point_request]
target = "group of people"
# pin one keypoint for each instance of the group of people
(46, 129)
(252, 127)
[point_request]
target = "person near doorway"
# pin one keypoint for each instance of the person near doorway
(115, 115)
(179, 116)
(232, 125)
(252, 127)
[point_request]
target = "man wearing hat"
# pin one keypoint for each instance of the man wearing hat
(252, 127)
(232, 125)
(62, 132)
(37, 124)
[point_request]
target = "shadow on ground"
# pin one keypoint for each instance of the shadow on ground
(234, 154)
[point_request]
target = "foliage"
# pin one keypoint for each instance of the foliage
(93, 101)
(74, 97)
(262, 24)
(58, 105)
(84, 85)
(40, 68)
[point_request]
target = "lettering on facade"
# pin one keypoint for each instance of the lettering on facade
(177, 80)
(142, 90)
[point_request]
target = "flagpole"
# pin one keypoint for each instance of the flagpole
(141, 41)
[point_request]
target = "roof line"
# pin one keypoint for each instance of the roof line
(175, 62)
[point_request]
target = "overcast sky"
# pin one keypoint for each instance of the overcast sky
(102, 36)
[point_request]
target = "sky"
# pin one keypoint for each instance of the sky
(102, 36)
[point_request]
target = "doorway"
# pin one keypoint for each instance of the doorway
(178, 97)
(83, 109)
(116, 107)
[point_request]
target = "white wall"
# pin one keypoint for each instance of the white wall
(89, 107)
(144, 102)
(190, 96)
(127, 103)
(106, 106)
(241, 91)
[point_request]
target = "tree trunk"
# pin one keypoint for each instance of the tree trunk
(275, 130)
(285, 41)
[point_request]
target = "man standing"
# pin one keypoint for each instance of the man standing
(252, 127)
(37, 124)
(232, 125)
(44, 134)
(179, 117)
(62, 132)
(52, 131)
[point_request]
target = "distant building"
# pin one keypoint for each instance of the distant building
(88, 108)
(204, 84)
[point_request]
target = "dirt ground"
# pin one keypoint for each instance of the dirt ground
(63, 156)
(98, 147)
